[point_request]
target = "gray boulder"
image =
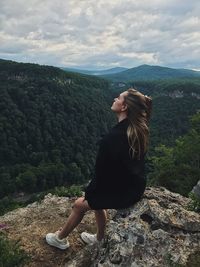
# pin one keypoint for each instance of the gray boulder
(158, 231)
(196, 189)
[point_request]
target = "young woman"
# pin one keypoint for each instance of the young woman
(119, 180)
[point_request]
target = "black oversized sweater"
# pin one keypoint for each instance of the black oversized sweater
(119, 179)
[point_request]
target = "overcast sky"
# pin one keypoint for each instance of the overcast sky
(99, 34)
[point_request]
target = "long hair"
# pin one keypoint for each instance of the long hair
(139, 109)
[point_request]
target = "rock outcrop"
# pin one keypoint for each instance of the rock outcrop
(196, 190)
(158, 231)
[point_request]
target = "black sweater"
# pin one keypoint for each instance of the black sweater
(119, 179)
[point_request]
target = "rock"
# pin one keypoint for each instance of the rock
(158, 231)
(196, 189)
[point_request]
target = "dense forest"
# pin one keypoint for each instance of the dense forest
(178, 167)
(51, 121)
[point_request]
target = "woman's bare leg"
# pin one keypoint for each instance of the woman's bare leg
(78, 211)
(101, 218)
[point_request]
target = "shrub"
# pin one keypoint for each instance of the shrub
(62, 191)
(194, 204)
(8, 204)
(11, 254)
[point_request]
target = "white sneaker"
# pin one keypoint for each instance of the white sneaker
(53, 240)
(89, 238)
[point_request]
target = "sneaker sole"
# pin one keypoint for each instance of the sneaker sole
(63, 247)
(86, 240)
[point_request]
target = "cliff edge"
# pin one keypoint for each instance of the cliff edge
(158, 231)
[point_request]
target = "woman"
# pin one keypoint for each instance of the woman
(119, 180)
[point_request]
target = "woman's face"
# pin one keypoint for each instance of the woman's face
(119, 103)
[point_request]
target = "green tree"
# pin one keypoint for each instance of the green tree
(26, 181)
(178, 168)
(7, 185)
(74, 172)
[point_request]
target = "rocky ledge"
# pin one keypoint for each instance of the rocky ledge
(158, 231)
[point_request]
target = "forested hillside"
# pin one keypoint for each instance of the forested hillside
(178, 167)
(50, 122)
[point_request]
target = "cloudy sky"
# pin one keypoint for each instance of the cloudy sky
(101, 34)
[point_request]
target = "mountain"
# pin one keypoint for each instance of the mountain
(147, 72)
(97, 72)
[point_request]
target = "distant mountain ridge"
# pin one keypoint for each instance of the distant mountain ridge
(96, 72)
(147, 72)
(142, 72)
(121, 74)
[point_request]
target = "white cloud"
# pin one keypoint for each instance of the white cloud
(101, 33)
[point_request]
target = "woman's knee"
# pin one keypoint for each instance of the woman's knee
(101, 213)
(81, 205)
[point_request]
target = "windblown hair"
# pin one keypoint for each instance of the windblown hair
(139, 109)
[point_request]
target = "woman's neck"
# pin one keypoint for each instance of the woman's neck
(121, 116)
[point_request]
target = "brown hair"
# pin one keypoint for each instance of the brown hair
(139, 109)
